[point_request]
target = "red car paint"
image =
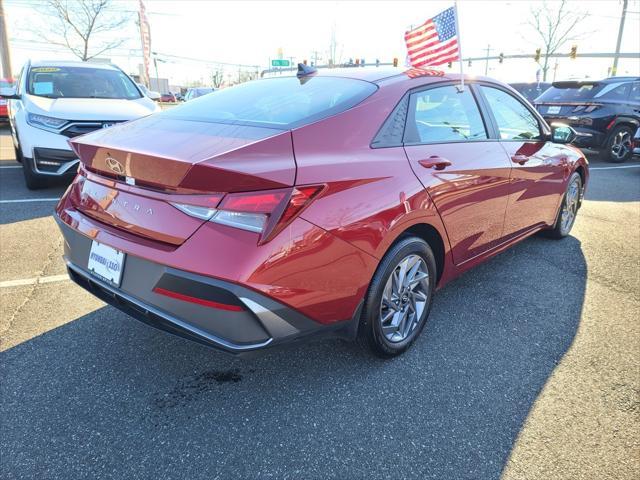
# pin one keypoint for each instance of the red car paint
(321, 264)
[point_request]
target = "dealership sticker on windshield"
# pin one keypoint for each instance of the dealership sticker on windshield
(106, 262)
(553, 109)
(45, 69)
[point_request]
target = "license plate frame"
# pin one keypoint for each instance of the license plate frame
(106, 263)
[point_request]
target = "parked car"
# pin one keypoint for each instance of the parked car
(324, 203)
(152, 94)
(606, 113)
(530, 91)
(636, 142)
(6, 87)
(196, 92)
(168, 97)
(56, 101)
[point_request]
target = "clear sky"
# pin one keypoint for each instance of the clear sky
(251, 32)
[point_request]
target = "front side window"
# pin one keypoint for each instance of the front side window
(515, 121)
(80, 82)
(443, 114)
(635, 92)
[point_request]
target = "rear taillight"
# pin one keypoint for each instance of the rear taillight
(266, 212)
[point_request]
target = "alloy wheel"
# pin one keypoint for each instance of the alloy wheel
(404, 299)
(570, 208)
(621, 145)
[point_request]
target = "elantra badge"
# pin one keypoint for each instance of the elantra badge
(115, 165)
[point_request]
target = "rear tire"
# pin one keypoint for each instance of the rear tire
(399, 298)
(33, 180)
(568, 209)
(618, 147)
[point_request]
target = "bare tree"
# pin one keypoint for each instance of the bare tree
(555, 27)
(86, 27)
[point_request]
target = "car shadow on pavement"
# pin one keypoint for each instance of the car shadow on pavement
(107, 397)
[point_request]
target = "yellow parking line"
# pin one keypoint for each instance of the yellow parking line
(30, 281)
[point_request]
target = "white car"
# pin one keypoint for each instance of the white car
(56, 101)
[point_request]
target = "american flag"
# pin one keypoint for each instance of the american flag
(435, 42)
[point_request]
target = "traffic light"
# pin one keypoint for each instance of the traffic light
(574, 52)
(450, 64)
(537, 57)
(469, 63)
(395, 61)
(501, 57)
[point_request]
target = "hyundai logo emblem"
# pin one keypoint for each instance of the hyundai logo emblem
(115, 165)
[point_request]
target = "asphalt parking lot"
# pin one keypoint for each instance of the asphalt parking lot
(529, 368)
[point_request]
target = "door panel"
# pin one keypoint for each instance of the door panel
(536, 187)
(539, 167)
(470, 194)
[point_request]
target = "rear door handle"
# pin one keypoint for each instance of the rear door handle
(521, 159)
(436, 162)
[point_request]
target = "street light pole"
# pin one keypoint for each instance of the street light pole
(614, 70)
(4, 45)
(486, 62)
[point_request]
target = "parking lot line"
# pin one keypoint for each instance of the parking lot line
(30, 281)
(614, 168)
(11, 166)
(28, 200)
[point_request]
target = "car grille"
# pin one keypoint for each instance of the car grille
(80, 128)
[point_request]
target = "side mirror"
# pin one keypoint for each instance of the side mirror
(561, 133)
(9, 93)
(153, 95)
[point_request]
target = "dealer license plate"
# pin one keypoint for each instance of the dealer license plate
(106, 262)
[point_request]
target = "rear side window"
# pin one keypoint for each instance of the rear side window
(515, 121)
(443, 114)
(284, 103)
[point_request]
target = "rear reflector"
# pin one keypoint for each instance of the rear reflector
(196, 300)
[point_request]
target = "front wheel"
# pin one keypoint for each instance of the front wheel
(568, 209)
(399, 298)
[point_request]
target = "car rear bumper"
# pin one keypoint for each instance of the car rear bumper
(243, 320)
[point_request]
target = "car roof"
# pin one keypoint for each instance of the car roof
(71, 63)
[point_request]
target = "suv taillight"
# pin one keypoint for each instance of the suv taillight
(266, 212)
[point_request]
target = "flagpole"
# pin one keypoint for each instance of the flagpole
(455, 6)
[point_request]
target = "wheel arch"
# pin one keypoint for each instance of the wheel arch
(432, 236)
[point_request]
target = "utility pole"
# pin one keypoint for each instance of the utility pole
(486, 62)
(4, 45)
(614, 70)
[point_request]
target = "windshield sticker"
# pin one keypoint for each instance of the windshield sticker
(43, 88)
(45, 69)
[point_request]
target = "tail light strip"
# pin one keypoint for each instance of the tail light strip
(266, 212)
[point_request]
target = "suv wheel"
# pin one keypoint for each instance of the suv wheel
(399, 298)
(619, 145)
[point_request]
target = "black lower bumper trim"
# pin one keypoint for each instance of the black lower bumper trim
(153, 316)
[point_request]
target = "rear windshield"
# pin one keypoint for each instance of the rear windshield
(80, 82)
(586, 92)
(285, 102)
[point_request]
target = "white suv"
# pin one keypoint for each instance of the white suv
(56, 101)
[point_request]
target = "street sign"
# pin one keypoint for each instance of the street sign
(280, 63)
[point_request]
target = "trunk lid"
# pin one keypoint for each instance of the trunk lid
(134, 171)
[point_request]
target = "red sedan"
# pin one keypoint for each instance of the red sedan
(323, 203)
